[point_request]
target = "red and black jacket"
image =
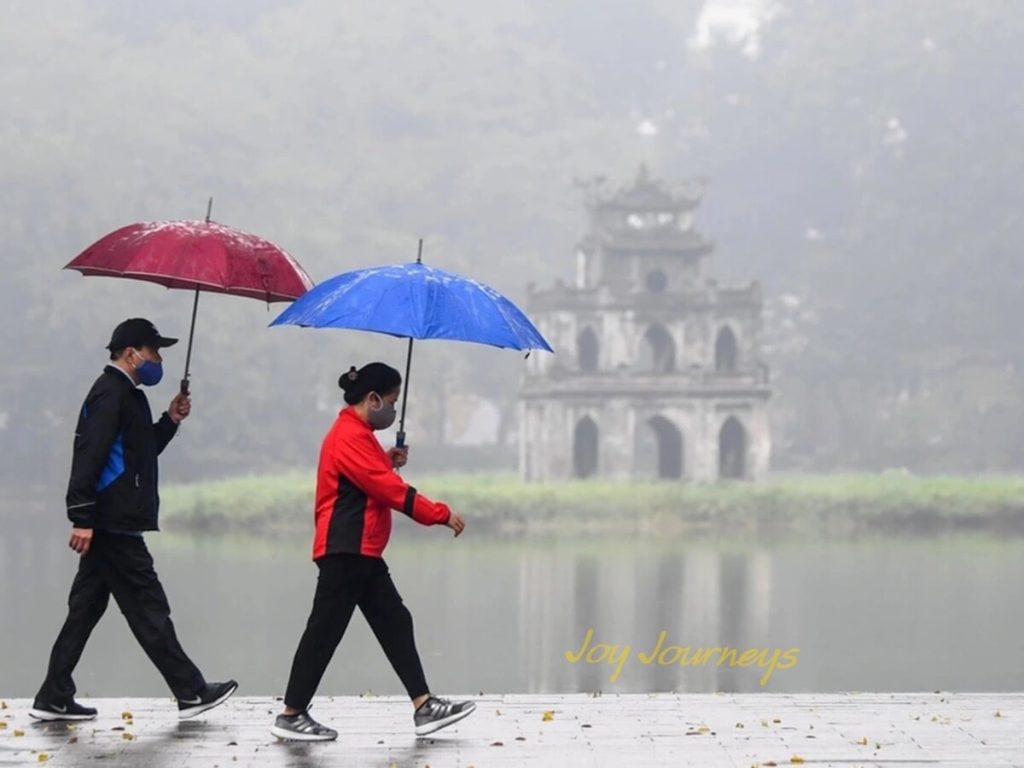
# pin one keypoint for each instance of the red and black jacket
(356, 489)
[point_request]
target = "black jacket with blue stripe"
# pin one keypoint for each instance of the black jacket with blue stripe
(114, 476)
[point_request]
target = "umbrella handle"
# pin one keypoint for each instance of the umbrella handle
(399, 443)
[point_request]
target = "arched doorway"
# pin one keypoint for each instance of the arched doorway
(584, 450)
(725, 350)
(587, 348)
(670, 448)
(732, 450)
(658, 450)
(658, 350)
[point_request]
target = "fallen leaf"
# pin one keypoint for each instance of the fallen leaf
(520, 738)
(18, 732)
(498, 744)
(73, 740)
(586, 725)
(549, 716)
(776, 720)
(127, 736)
(3, 724)
(796, 760)
(3, 705)
(740, 725)
(863, 741)
(43, 757)
(764, 723)
(998, 713)
(126, 715)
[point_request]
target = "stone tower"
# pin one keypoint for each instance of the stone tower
(657, 371)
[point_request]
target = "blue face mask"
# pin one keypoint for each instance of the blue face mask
(150, 373)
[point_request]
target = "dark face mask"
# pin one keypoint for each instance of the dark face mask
(383, 416)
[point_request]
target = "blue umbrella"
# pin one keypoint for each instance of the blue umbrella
(415, 301)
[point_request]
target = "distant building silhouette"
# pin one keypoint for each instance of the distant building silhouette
(657, 372)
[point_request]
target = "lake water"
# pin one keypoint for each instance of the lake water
(499, 616)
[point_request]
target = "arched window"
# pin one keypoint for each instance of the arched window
(658, 351)
(656, 281)
(725, 350)
(584, 450)
(588, 349)
(732, 450)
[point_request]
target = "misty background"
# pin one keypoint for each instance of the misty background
(864, 164)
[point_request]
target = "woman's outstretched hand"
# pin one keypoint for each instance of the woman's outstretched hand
(456, 523)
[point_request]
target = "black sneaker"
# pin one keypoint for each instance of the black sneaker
(437, 713)
(208, 698)
(72, 710)
(301, 727)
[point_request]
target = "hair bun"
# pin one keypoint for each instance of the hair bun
(347, 379)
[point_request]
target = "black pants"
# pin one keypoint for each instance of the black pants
(121, 566)
(347, 581)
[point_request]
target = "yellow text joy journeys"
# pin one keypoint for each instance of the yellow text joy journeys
(664, 655)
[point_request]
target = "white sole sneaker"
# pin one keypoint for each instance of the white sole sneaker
(427, 728)
(285, 735)
(42, 714)
(185, 714)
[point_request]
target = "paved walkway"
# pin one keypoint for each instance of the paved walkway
(862, 729)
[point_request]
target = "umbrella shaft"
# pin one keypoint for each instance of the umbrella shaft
(191, 334)
(405, 395)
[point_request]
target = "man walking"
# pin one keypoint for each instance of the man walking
(112, 499)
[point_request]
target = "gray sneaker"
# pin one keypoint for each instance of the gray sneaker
(301, 727)
(437, 713)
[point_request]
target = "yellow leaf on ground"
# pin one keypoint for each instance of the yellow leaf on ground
(549, 716)
(127, 736)
(126, 715)
(43, 757)
(796, 760)
(863, 741)
(18, 732)
(3, 724)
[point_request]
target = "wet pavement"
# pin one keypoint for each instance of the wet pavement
(707, 730)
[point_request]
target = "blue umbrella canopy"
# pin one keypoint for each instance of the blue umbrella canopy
(415, 301)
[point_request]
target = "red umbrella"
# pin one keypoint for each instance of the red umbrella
(196, 255)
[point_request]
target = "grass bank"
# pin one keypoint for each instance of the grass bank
(828, 505)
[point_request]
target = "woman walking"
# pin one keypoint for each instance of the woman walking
(356, 490)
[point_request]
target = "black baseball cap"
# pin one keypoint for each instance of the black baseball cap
(138, 332)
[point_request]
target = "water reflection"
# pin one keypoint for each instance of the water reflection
(499, 617)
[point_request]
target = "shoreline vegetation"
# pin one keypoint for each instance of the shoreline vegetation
(827, 506)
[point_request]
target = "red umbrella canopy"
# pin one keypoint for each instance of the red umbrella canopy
(196, 255)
